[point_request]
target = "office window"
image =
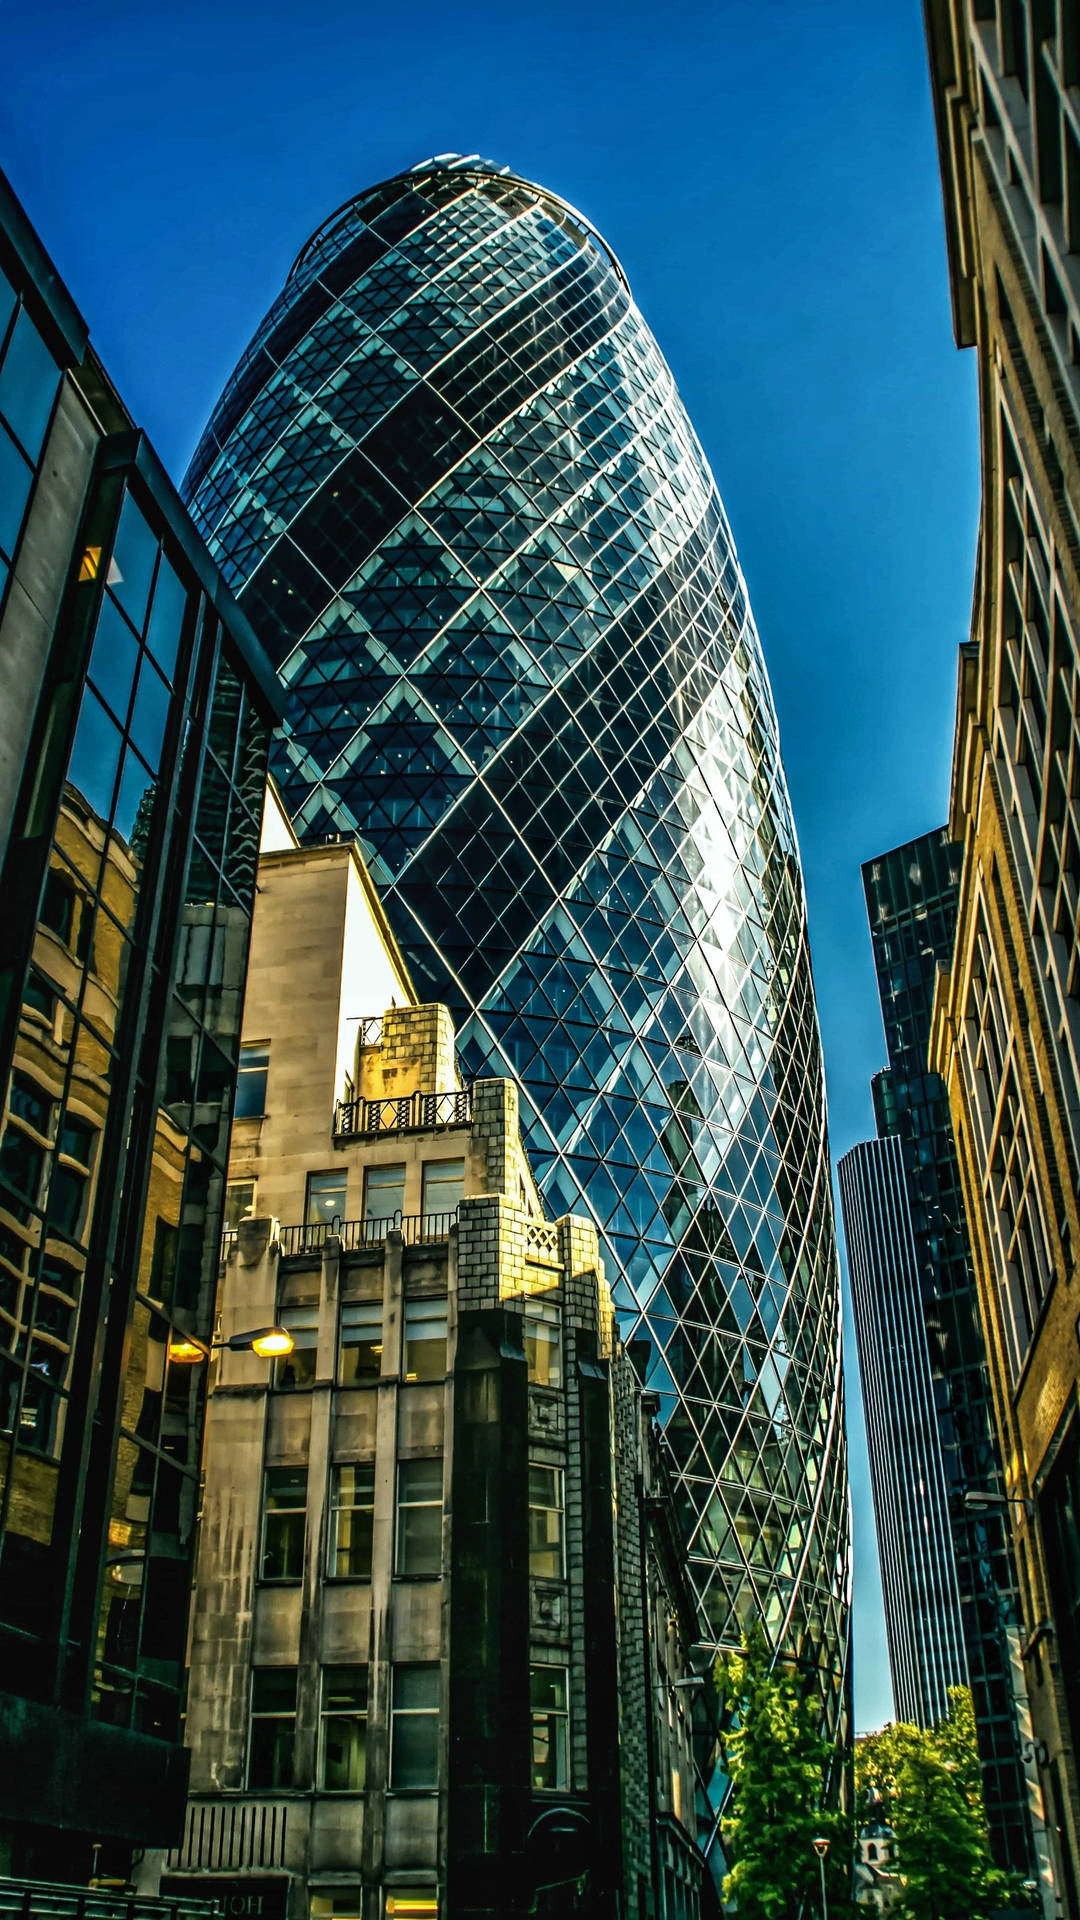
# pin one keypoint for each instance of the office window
(414, 1733)
(352, 1508)
(273, 1725)
(412, 1903)
(239, 1203)
(343, 1729)
(326, 1198)
(298, 1368)
(543, 1343)
(425, 1339)
(337, 1903)
(30, 1102)
(546, 1522)
(251, 1082)
(443, 1186)
(550, 1727)
(419, 1516)
(384, 1193)
(361, 1341)
(284, 1519)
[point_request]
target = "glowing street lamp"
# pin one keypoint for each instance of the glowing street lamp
(268, 1342)
(821, 1848)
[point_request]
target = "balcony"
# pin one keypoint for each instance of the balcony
(407, 1113)
(416, 1229)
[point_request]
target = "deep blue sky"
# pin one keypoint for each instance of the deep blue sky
(768, 176)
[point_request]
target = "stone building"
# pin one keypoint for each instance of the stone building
(135, 713)
(1007, 1018)
(442, 1616)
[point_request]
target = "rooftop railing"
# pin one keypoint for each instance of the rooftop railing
(403, 1113)
(416, 1229)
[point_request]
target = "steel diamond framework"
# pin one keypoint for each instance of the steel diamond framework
(455, 486)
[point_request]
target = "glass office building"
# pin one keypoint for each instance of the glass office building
(454, 486)
(135, 716)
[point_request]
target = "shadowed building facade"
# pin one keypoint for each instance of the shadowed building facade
(1007, 1014)
(453, 484)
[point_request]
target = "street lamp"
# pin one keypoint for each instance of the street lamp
(977, 1501)
(821, 1848)
(267, 1342)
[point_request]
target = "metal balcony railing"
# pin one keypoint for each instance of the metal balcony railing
(416, 1229)
(44, 1900)
(406, 1113)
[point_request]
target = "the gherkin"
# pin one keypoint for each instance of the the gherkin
(455, 487)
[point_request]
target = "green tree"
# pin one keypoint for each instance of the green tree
(931, 1788)
(778, 1759)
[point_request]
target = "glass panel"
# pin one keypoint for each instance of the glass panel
(284, 1521)
(361, 1341)
(326, 1198)
(543, 1352)
(415, 1740)
(444, 1185)
(425, 1339)
(29, 378)
(166, 618)
(298, 1368)
(420, 1513)
(545, 1522)
(16, 477)
(351, 1521)
(344, 1728)
(251, 1083)
(239, 1203)
(132, 564)
(150, 714)
(95, 756)
(384, 1192)
(114, 660)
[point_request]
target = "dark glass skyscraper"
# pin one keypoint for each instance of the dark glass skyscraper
(911, 901)
(453, 483)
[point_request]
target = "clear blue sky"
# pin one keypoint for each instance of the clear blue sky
(768, 176)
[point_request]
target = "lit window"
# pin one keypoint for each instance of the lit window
(419, 1516)
(550, 1727)
(326, 1198)
(251, 1082)
(239, 1203)
(414, 1739)
(361, 1341)
(443, 1186)
(384, 1193)
(273, 1725)
(543, 1343)
(546, 1522)
(298, 1368)
(284, 1521)
(412, 1903)
(352, 1513)
(425, 1339)
(343, 1729)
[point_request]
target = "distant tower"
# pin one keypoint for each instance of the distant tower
(907, 1243)
(456, 490)
(918, 1572)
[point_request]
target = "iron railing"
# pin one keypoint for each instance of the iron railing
(403, 1113)
(369, 1030)
(44, 1900)
(416, 1229)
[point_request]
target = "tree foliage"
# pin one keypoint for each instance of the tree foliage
(778, 1758)
(931, 1791)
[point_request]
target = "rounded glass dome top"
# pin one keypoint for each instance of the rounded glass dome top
(454, 485)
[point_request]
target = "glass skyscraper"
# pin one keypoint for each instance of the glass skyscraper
(455, 488)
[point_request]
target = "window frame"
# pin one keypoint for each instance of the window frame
(399, 1713)
(427, 1167)
(284, 1514)
(247, 1072)
(356, 1315)
(557, 1715)
(556, 1506)
(425, 1309)
(373, 1173)
(405, 1506)
(263, 1716)
(544, 1314)
(354, 1714)
(338, 1507)
(302, 1321)
(338, 1217)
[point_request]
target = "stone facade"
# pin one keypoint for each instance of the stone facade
(475, 1558)
(1007, 1018)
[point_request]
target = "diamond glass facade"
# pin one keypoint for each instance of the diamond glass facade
(455, 487)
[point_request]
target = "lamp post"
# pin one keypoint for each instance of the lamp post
(267, 1342)
(821, 1848)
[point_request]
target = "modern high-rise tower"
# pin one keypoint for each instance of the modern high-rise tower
(452, 482)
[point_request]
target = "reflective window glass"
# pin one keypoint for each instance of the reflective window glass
(95, 755)
(150, 714)
(361, 1341)
(414, 1738)
(29, 378)
(131, 567)
(425, 1339)
(284, 1522)
(545, 1522)
(343, 1729)
(326, 1194)
(114, 660)
(273, 1726)
(251, 1082)
(166, 618)
(16, 477)
(548, 1688)
(352, 1513)
(298, 1368)
(443, 1186)
(384, 1193)
(419, 1516)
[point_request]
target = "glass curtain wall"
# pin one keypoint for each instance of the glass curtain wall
(454, 485)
